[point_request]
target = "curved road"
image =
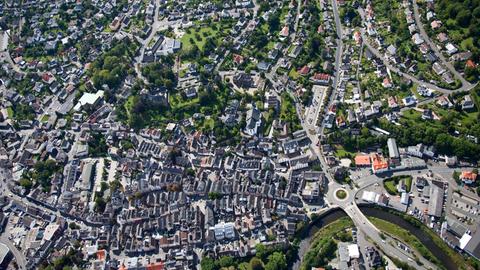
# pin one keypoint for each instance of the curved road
(19, 257)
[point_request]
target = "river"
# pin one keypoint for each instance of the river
(335, 214)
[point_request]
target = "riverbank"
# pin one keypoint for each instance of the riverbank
(432, 243)
(447, 257)
(324, 243)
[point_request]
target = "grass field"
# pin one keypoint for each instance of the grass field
(10, 112)
(199, 34)
(390, 184)
(45, 118)
(200, 39)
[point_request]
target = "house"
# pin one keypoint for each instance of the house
(468, 177)
(285, 32)
(438, 68)
(442, 37)
(467, 103)
(451, 49)
(191, 92)
(48, 78)
(391, 50)
(470, 64)
(263, 66)
(409, 101)
(386, 83)
(392, 102)
(424, 91)
(272, 102)
(320, 78)
(417, 39)
(436, 24)
(304, 70)
(254, 121)
(427, 114)
(238, 59)
(444, 102)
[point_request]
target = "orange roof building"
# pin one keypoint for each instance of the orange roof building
(101, 255)
(470, 63)
(468, 177)
(155, 266)
(379, 163)
(362, 160)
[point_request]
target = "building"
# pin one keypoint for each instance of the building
(224, 231)
(379, 164)
(467, 103)
(243, 80)
(468, 177)
(393, 153)
(362, 160)
(435, 204)
(89, 100)
(254, 121)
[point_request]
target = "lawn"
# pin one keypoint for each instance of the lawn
(404, 236)
(293, 74)
(341, 194)
(199, 34)
(288, 112)
(10, 112)
(177, 102)
(390, 184)
(45, 118)
(340, 152)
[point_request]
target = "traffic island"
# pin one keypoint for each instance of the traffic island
(341, 194)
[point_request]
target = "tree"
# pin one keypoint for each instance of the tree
(208, 263)
(463, 18)
(276, 261)
(226, 261)
(261, 252)
(274, 22)
(256, 264)
(26, 183)
(73, 226)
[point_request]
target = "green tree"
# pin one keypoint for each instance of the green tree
(256, 264)
(276, 261)
(226, 261)
(208, 263)
(261, 252)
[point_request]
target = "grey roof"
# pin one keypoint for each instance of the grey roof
(392, 148)
(473, 246)
(436, 201)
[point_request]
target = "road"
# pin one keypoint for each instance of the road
(19, 257)
(433, 46)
